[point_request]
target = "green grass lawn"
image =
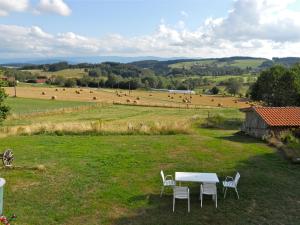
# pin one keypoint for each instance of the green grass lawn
(114, 179)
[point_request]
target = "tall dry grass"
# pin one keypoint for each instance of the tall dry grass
(100, 128)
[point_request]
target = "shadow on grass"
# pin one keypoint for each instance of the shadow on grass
(268, 195)
(242, 138)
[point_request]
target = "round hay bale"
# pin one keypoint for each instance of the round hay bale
(91, 92)
(235, 101)
(128, 100)
(220, 105)
(81, 90)
(180, 96)
(64, 89)
(94, 98)
(212, 100)
(138, 98)
(43, 93)
(150, 94)
(135, 102)
(56, 89)
(172, 97)
(53, 97)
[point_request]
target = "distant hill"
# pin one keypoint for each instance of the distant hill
(76, 60)
(214, 66)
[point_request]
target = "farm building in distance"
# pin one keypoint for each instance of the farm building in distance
(262, 121)
(38, 80)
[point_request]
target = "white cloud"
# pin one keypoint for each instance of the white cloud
(7, 6)
(54, 6)
(263, 28)
(184, 14)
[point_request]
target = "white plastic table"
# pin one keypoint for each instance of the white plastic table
(196, 177)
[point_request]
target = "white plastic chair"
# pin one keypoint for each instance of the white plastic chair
(209, 189)
(181, 193)
(167, 181)
(231, 183)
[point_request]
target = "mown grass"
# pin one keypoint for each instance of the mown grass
(26, 105)
(115, 180)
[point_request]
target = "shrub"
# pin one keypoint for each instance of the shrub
(288, 137)
(215, 90)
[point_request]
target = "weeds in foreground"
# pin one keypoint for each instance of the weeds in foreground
(99, 128)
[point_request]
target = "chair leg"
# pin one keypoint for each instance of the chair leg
(189, 204)
(201, 197)
(237, 193)
(173, 204)
(216, 199)
(162, 190)
(225, 192)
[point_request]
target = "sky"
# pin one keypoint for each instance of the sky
(162, 28)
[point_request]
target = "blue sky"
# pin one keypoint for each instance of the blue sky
(127, 17)
(191, 28)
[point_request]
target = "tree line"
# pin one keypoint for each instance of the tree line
(278, 86)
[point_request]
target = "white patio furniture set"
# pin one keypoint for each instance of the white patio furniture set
(208, 185)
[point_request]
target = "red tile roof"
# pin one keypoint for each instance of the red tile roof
(278, 116)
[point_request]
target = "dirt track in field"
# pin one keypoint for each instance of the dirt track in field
(123, 97)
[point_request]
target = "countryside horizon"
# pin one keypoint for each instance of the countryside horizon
(137, 112)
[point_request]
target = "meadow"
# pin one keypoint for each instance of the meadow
(67, 73)
(113, 178)
(137, 97)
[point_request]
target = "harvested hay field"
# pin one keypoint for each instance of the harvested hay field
(124, 97)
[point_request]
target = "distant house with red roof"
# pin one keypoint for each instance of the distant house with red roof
(262, 121)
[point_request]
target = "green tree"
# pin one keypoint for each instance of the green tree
(215, 90)
(71, 82)
(278, 86)
(233, 86)
(4, 109)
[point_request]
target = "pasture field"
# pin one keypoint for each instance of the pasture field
(27, 106)
(254, 63)
(67, 73)
(114, 179)
(123, 96)
(243, 64)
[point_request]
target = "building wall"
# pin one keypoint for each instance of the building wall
(254, 125)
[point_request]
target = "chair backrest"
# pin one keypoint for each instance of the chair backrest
(181, 192)
(162, 176)
(208, 188)
(237, 177)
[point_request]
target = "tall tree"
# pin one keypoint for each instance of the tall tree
(4, 109)
(278, 86)
(233, 86)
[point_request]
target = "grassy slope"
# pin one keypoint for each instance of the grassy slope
(248, 63)
(239, 63)
(68, 73)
